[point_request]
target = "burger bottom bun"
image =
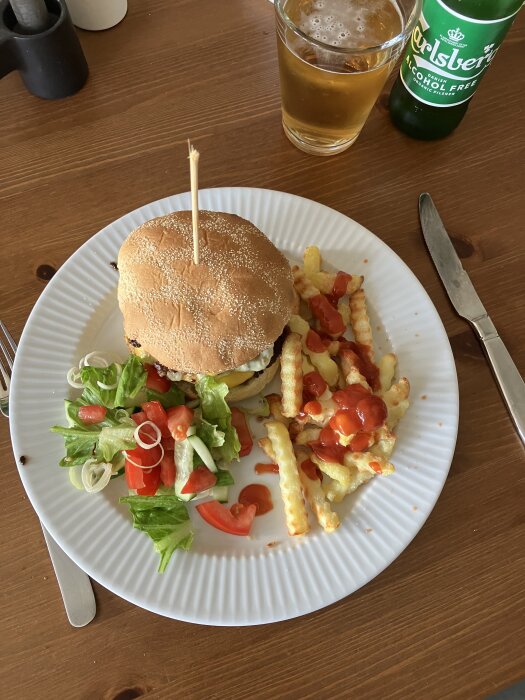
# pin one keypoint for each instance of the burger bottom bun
(253, 386)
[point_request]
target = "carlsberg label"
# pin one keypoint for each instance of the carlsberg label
(448, 54)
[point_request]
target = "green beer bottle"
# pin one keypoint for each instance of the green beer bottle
(450, 49)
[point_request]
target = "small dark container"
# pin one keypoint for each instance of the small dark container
(51, 63)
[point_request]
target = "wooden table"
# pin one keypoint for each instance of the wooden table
(446, 619)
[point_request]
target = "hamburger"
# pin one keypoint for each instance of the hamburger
(224, 316)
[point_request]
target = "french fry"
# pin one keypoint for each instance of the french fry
(360, 322)
(311, 260)
(328, 408)
(333, 347)
(303, 285)
(335, 492)
(349, 360)
(324, 281)
(266, 446)
(276, 411)
(307, 435)
(339, 472)
(384, 443)
(289, 480)
(344, 309)
(367, 461)
(387, 368)
(322, 361)
(291, 376)
(307, 365)
(315, 496)
(396, 399)
(354, 376)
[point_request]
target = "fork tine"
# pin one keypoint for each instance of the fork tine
(5, 354)
(9, 337)
(5, 374)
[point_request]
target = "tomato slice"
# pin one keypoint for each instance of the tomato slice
(144, 481)
(237, 521)
(155, 381)
(167, 469)
(139, 417)
(200, 479)
(143, 457)
(155, 412)
(179, 420)
(92, 414)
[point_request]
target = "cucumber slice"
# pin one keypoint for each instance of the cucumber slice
(184, 462)
(203, 452)
(220, 493)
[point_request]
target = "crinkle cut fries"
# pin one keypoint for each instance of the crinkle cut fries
(332, 429)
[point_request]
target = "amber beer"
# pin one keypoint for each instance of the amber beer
(334, 58)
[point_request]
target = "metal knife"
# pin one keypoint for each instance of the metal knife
(74, 584)
(468, 305)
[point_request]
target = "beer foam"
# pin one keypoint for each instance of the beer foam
(350, 23)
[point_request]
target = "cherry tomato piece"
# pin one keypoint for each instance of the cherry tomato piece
(237, 521)
(144, 481)
(155, 412)
(92, 414)
(179, 420)
(200, 479)
(155, 381)
(168, 470)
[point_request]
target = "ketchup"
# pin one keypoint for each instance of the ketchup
(339, 288)
(257, 495)
(261, 468)
(360, 357)
(329, 318)
(313, 384)
(311, 470)
(314, 342)
(372, 411)
(360, 442)
(313, 408)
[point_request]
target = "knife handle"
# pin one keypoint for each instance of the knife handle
(509, 380)
(74, 584)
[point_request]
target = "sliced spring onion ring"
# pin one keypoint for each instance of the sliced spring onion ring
(149, 466)
(93, 359)
(191, 431)
(122, 415)
(96, 475)
(110, 387)
(73, 377)
(203, 452)
(140, 441)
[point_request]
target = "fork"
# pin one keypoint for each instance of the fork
(74, 584)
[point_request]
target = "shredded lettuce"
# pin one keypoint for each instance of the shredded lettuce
(173, 397)
(132, 380)
(165, 519)
(216, 411)
(210, 434)
(103, 440)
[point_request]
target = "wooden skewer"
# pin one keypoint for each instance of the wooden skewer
(194, 179)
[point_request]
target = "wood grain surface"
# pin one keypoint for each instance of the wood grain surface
(446, 619)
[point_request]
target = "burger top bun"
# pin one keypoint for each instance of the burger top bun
(206, 318)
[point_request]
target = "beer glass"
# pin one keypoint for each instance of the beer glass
(334, 59)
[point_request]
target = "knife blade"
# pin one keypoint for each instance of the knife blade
(467, 303)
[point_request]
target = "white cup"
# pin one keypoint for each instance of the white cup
(95, 15)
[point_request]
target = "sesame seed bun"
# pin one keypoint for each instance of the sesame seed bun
(206, 318)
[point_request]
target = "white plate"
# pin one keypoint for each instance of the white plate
(227, 580)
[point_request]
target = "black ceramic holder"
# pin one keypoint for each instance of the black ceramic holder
(51, 63)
